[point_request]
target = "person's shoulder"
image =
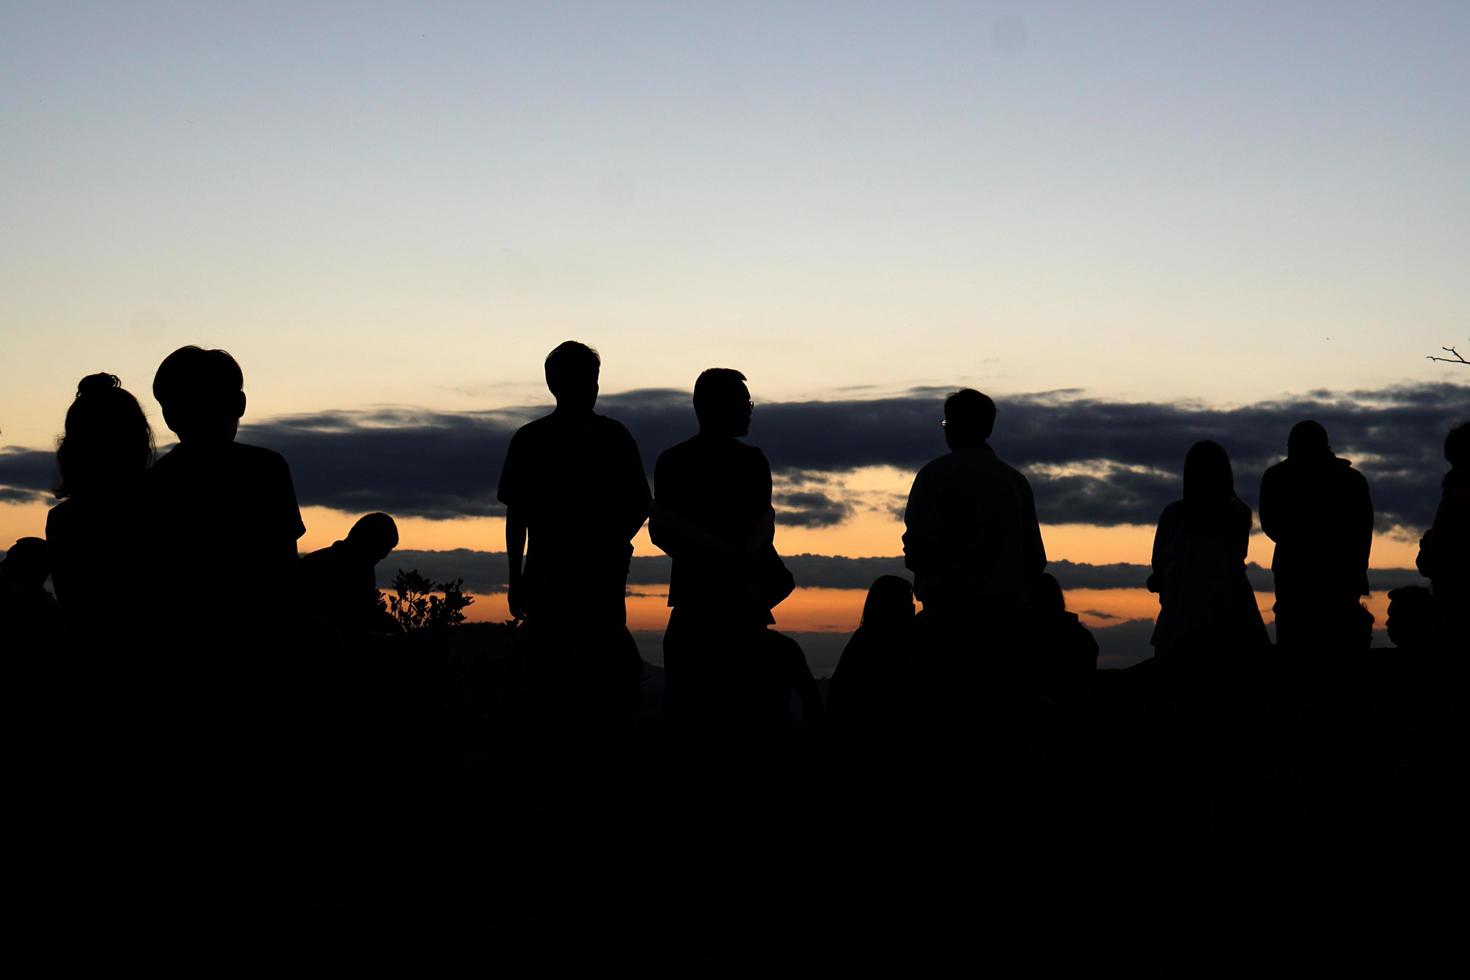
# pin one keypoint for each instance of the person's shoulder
(752, 454)
(609, 424)
(1172, 510)
(1280, 468)
(679, 451)
(938, 465)
(61, 517)
(244, 454)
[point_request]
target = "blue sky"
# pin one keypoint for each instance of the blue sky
(409, 204)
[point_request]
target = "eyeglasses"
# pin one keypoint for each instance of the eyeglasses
(943, 423)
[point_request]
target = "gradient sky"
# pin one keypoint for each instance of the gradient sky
(409, 204)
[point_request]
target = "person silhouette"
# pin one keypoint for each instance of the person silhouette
(712, 515)
(575, 494)
(29, 629)
(1317, 509)
(225, 513)
(1444, 551)
(1206, 601)
(341, 579)
(1412, 621)
(232, 700)
(1068, 650)
(971, 536)
(867, 686)
(96, 532)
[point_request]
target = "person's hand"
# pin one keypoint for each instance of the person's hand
(516, 596)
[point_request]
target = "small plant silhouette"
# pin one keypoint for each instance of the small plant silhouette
(415, 607)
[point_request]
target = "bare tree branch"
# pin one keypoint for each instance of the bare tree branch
(1457, 359)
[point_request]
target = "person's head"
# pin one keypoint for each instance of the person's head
(969, 418)
(107, 443)
(1307, 439)
(373, 536)
(722, 403)
(1046, 592)
(1207, 473)
(202, 393)
(890, 603)
(1411, 619)
(1457, 446)
(571, 374)
(27, 563)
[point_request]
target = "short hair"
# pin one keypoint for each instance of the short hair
(194, 378)
(376, 528)
(570, 361)
(28, 560)
(1307, 437)
(1457, 444)
(714, 386)
(968, 410)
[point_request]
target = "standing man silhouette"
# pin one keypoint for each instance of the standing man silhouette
(1316, 508)
(712, 514)
(971, 536)
(575, 492)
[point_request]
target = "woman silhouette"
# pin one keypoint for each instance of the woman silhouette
(96, 532)
(1207, 604)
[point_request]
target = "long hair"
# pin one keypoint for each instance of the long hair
(1209, 485)
(107, 443)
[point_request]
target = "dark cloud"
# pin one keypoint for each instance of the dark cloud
(26, 475)
(810, 508)
(1090, 460)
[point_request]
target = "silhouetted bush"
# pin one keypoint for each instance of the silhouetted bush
(416, 608)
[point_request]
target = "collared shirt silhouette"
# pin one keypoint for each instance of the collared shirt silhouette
(971, 534)
(575, 494)
(225, 512)
(1317, 509)
(712, 511)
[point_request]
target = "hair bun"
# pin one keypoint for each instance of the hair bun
(96, 384)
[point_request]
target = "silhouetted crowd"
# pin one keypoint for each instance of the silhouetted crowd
(190, 654)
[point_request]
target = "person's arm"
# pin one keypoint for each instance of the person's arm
(515, 553)
(638, 498)
(920, 526)
(1364, 523)
(1163, 543)
(1271, 515)
(668, 528)
(1035, 548)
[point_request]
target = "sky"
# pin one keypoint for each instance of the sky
(1177, 218)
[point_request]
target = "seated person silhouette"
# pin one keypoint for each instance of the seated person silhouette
(30, 626)
(1316, 508)
(784, 674)
(97, 532)
(712, 515)
(225, 513)
(867, 687)
(575, 494)
(341, 579)
(972, 540)
(1206, 601)
(1066, 651)
(1444, 551)
(1412, 621)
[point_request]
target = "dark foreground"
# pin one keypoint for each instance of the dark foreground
(1287, 815)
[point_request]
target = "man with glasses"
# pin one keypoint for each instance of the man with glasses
(972, 539)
